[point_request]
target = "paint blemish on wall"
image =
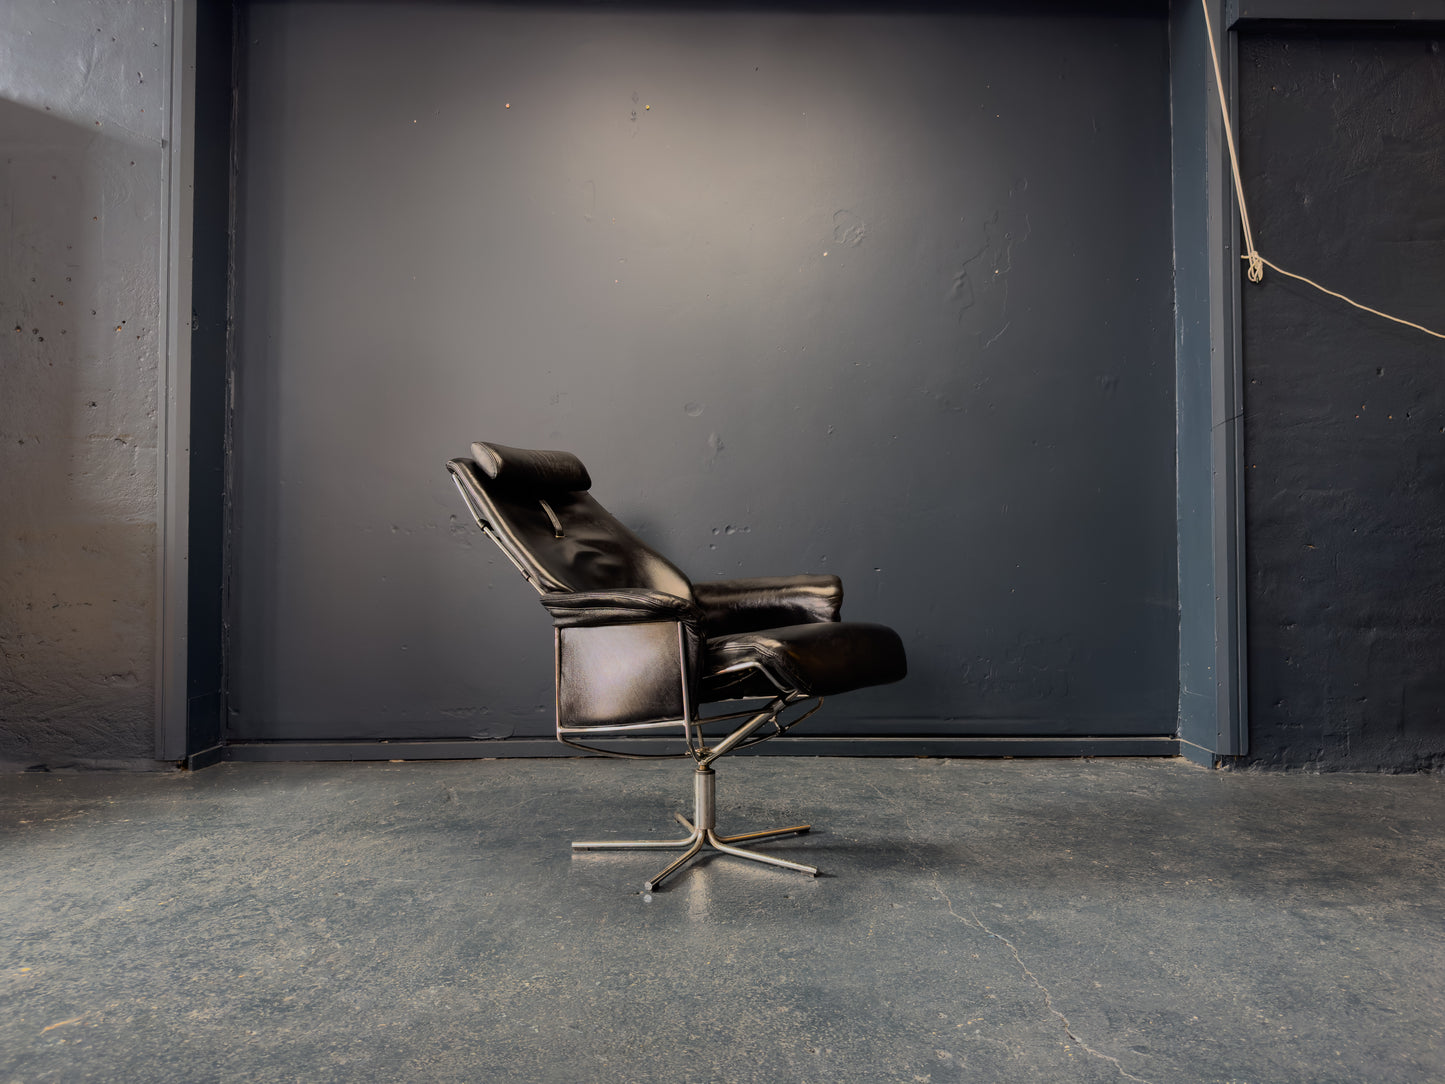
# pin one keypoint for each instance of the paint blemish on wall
(632, 117)
(1032, 669)
(979, 289)
(848, 229)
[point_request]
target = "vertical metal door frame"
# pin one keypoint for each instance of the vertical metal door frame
(194, 319)
(174, 437)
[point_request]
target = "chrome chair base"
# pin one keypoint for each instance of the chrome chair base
(702, 833)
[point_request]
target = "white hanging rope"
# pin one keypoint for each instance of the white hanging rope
(1342, 297)
(1258, 263)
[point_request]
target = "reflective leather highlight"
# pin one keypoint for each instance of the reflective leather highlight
(818, 659)
(612, 675)
(767, 602)
(594, 553)
(526, 468)
(614, 609)
(629, 606)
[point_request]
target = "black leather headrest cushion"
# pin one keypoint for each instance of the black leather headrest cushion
(532, 469)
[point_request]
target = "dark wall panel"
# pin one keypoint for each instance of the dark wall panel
(887, 295)
(1344, 151)
(210, 325)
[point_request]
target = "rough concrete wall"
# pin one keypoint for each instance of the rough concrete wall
(83, 92)
(1344, 150)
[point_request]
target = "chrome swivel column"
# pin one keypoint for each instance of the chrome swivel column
(702, 832)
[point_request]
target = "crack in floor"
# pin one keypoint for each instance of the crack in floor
(974, 920)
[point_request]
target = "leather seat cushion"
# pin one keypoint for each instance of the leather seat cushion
(817, 659)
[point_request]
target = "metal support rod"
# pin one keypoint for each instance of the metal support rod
(704, 793)
(767, 715)
(677, 864)
(702, 833)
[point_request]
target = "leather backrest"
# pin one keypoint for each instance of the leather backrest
(531, 469)
(518, 493)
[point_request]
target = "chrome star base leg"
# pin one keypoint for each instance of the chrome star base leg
(702, 834)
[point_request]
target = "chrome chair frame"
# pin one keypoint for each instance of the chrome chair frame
(702, 828)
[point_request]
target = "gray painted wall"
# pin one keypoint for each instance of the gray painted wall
(885, 295)
(84, 88)
(1344, 150)
(1212, 679)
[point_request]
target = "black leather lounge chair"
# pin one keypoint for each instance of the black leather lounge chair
(639, 647)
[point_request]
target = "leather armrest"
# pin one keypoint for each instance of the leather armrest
(626, 606)
(767, 602)
(618, 659)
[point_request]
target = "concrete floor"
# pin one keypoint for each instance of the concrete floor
(980, 920)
